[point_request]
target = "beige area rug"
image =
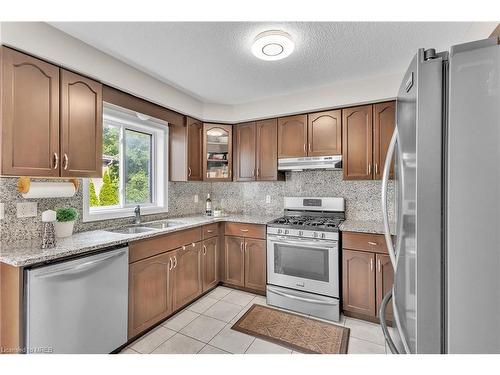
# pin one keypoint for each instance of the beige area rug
(293, 331)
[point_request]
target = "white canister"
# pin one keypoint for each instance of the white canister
(64, 228)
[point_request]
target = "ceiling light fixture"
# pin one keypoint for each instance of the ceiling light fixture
(272, 45)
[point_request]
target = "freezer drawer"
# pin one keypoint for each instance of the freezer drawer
(79, 306)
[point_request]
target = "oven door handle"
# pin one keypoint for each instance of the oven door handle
(310, 300)
(319, 243)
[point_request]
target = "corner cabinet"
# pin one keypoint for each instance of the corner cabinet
(51, 119)
(186, 148)
(366, 134)
(217, 152)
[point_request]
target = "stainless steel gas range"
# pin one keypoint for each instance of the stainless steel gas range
(303, 257)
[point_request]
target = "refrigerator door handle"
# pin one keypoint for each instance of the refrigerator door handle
(385, 181)
(383, 324)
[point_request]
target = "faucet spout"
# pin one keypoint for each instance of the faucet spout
(137, 212)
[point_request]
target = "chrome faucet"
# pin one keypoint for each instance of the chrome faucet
(137, 212)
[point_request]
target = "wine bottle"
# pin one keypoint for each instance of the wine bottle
(208, 209)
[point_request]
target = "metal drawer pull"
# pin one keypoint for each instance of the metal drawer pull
(209, 230)
(301, 298)
(372, 243)
(193, 244)
(183, 247)
(56, 160)
(244, 230)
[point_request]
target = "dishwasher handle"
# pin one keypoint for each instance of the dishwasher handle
(79, 267)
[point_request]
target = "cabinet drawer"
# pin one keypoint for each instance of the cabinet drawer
(146, 248)
(364, 241)
(210, 230)
(245, 230)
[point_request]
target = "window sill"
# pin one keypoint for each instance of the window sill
(121, 213)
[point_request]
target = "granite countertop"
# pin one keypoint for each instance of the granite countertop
(365, 226)
(27, 252)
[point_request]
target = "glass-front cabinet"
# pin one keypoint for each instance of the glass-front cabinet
(217, 152)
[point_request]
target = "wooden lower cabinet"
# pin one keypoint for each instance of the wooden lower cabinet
(255, 264)
(359, 282)
(234, 261)
(384, 280)
(187, 282)
(210, 263)
(149, 293)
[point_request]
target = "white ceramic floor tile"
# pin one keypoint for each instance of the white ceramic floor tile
(208, 349)
(224, 311)
(357, 346)
(219, 292)
(232, 341)
(259, 300)
(238, 298)
(179, 344)
(180, 320)
(202, 305)
(265, 347)
(339, 323)
(365, 331)
(203, 328)
(129, 351)
(241, 313)
(152, 340)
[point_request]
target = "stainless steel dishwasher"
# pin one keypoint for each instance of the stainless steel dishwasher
(78, 306)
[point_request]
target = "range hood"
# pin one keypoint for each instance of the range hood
(333, 162)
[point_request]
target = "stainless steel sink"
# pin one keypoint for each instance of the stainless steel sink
(132, 230)
(164, 224)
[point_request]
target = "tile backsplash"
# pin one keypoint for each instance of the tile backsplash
(362, 200)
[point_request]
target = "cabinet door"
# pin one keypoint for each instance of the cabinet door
(358, 273)
(234, 261)
(244, 164)
(81, 126)
(29, 116)
(217, 152)
(357, 131)
(384, 121)
(324, 133)
(384, 281)
(255, 264)
(210, 262)
(195, 147)
(149, 293)
(292, 136)
(267, 150)
(187, 283)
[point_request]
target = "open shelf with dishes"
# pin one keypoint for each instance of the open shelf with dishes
(217, 152)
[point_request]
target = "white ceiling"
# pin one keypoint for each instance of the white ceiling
(212, 61)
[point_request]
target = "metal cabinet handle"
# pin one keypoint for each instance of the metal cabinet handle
(241, 247)
(304, 147)
(369, 168)
(258, 172)
(246, 247)
(376, 168)
(204, 250)
(175, 262)
(189, 171)
(379, 265)
(253, 173)
(65, 161)
(371, 264)
(56, 160)
(170, 264)
(372, 243)
(309, 146)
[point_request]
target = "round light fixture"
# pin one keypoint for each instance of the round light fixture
(273, 45)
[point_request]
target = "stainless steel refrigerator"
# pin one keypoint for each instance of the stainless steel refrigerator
(446, 249)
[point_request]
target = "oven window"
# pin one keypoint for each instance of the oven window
(304, 262)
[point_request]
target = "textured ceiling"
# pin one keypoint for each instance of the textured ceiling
(212, 61)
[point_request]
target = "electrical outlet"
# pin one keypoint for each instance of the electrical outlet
(27, 209)
(196, 198)
(2, 211)
(268, 199)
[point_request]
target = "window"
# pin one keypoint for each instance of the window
(134, 167)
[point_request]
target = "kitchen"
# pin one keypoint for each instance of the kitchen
(188, 230)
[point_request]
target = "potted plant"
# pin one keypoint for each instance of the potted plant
(65, 221)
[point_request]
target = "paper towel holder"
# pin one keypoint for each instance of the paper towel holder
(24, 183)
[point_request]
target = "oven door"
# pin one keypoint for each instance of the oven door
(303, 264)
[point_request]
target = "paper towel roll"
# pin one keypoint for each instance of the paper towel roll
(50, 190)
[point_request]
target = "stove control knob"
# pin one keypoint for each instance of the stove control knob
(287, 231)
(323, 235)
(301, 233)
(279, 231)
(315, 235)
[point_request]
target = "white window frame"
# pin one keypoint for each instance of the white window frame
(131, 120)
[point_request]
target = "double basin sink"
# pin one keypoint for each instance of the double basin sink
(146, 227)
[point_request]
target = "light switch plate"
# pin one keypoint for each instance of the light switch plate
(2, 211)
(26, 209)
(196, 198)
(268, 199)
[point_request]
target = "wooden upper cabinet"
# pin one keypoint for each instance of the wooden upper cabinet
(358, 273)
(384, 122)
(217, 152)
(384, 281)
(267, 150)
(244, 156)
(255, 264)
(210, 263)
(149, 293)
(30, 116)
(292, 136)
(187, 284)
(357, 132)
(194, 149)
(81, 126)
(324, 133)
(234, 261)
